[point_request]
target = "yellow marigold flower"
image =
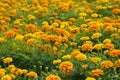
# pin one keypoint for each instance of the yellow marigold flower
(106, 64)
(65, 57)
(107, 41)
(6, 77)
(66, 67)
(8, 60)
(82, 14)
(18, 72)
(81, 57)
(90, 78)
(12, 76)
(97, 72)
(31, 17)
(57, 61)
(24, 71)
(85, 38)
(96, 35)
(115, 36)
(114, 53)
(19, 37)
(2, 72)
(94, 15)
(2, 39)
(11, 67)
(52, 77)
(117, 63)
(98, 46)
(75, 53)
(95, 59)
(16, 22)
(87, 47)
(32, 74)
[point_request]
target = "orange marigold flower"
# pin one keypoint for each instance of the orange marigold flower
(87, 47)
(66, 67)
(31, 27)
(114, 53)
(108, 46)
(13, 12)
(117, 63)
(75, 53)
(52, 77)
(106, 64)
(90, 78)
(32, 74)
(9, 34)
(2, 72)
(97, 72)
(8, 60)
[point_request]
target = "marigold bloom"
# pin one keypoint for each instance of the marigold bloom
(96, 35)
(87, 47)
(85, 38)
(81, 57)
(95, 59)
(75, 53)
(117, 63)
(9, 34)
(32, 74)
(6, 77)
(2, 39)
(98, 46)
(8, 60)
(13, 12)
(19, 37)
(2, 72)
(90, 78)
(97, 72)
(31, 27)
(94, 15)
(114, 53)
(106, 64)
(107, 41)
(66, 67)
(52, 77)
(108, 46)
(57, 61)
(65, 57)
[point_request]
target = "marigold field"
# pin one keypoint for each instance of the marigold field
(59, 39)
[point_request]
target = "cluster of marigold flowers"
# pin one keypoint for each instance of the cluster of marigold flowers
(95, 34)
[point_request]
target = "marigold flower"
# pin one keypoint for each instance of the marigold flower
(6, 77)
(75, 53)
(8, 60)
(13, 13)
(85, 38)
(94, 15)
(57, 61)
(106, 64)
(117, 63)
(2, 39)
(97, 72)
(114, 53)
(96, 35)
(95, 59)
(98, 46)
(32, 74)
(31, 27)
(2, 72)
(107, 41)
(81, 57)
(52, 77)
(90, 78)
(108, 46)
(19, 37)
(9, 34)
(87, 47)
(66, 67)
(82, 14)
(65, 57)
